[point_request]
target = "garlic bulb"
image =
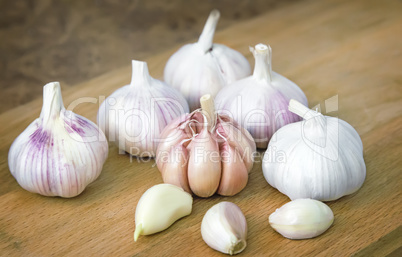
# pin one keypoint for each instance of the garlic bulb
(302, 219)
(206, 153)
(322, 157)
(159, 207)
(133, 116)
(203, 67)
(259, 102)
(59, 153)
(224, 228)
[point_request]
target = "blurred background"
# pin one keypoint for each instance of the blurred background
(72, 41)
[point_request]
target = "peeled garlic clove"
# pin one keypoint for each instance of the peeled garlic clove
(302, 219)
(224, 228)
(175, 170)
(234, 173)
(134, 116)
(59, 153)
(159, 207)
(203, 67)
(204, 168)
(259, 102)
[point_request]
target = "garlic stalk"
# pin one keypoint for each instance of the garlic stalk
(159, 207)
(203, 67)
(302, 219)
(204, 152)
(224, 228)
(322, 157)
(259, 102)
(60, 152)
(133, 116)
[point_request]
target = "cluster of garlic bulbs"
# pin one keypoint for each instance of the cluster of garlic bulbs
(206, 153)
(259, 102)
(203, 67)
(59, 153)
(134, 116)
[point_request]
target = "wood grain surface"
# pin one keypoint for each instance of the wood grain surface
(344, 50)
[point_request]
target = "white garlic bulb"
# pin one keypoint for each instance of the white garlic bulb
(203, 67)
(302, 219)
(259, 102)
(134, 115)
(224, 228)
(321, 157)
(59, 153)
(159, 207)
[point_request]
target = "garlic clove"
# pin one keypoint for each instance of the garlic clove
(175, 170)
(234, 172)
(302, 219)
(159, 207)
(204, 168)
(59, 153)
(224, 228)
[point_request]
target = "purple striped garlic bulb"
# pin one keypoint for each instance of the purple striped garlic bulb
(260, 102)
(60, 152)
(133, 116)
(204, 67)
(206, 153)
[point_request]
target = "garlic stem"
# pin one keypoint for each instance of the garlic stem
(263, 62)
(52, 102)
(206, 38)
(207, 105)
(302, 110)
(140, 74)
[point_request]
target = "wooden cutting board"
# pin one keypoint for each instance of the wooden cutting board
(346, 51)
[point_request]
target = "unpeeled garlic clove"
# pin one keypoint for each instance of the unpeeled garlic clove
(302, 219)
(234, 172)
(204, 167)
(224, 228)
(175, 170)
(159, 207)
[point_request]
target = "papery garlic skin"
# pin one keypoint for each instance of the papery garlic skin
(302, 219)
(259, 102)
(59, 153)
(224, 228)
(203, 67)
(133, 116)
(159, 207)
(323, 157)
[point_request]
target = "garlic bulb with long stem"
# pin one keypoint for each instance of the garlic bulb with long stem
(224, 228)
(259, 102)
(204, 152)
(59, 153)
(321, 157)
(203, 67)
(302, 219)
(133, 116)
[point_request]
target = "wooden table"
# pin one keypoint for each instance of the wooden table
(348, 49)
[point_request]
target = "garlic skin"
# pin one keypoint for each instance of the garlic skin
(259, 102)
(203, 67)
(323, 157)
(224, 228)
(60, 152)
(159, 207)
(206, 153)
(133, 116)
(302, 219)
